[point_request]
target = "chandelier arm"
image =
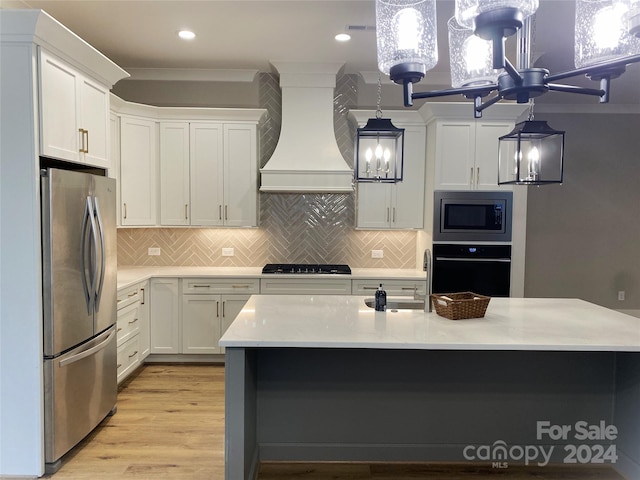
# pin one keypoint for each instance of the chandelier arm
(595, 69)
(466, 91)
(513, 73)
(487, 104)
(596, 92)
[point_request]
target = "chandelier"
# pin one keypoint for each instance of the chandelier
(606, 41)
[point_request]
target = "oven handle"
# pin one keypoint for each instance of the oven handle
(455, 259)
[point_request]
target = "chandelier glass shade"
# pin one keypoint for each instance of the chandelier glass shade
(470, 57)
(406, 37)
(602, 32)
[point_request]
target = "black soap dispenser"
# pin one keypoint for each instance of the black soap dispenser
(381, 299)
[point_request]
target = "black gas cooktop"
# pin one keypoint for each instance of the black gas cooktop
(339, 269)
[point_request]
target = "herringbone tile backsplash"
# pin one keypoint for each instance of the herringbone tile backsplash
(294, 228)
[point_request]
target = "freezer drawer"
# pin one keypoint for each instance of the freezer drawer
(80, 391)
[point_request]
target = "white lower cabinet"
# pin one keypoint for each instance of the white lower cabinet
(205, 318)
(132, 329)
(398, 288)
(189, 315)
(165, 315)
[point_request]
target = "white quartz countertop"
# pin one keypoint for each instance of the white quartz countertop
(128, 276)
(327, 321)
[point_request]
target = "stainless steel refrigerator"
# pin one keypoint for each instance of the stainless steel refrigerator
(79, 298)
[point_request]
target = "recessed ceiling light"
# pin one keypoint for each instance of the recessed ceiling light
(186, 34)
(343, 37)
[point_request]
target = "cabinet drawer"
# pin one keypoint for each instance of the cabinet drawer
(305, 286)
(392, 287)
(128, 323)
(128, 357)
(129, 295)
(221, 285)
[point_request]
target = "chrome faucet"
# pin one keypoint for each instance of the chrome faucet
(426, 266)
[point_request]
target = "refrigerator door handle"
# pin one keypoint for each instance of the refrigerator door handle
(93, 251)
(86, 353)
(102, 254)
(84, 254)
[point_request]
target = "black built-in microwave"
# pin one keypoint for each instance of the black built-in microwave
(472, 216)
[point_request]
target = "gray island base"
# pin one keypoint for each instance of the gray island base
(292, 397)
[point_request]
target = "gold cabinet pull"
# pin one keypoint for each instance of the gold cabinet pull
(142, 301)
(201, 286)
(219, 212)
(226, 217)
(133, 354)
(223, 309)
(217, 309)
(186, 216)
(125, 211)
(239, 285)
(86, 145)
(133, 321)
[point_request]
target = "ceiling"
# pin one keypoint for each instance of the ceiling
(241, 35)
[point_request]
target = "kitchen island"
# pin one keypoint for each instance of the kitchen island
(326, 378)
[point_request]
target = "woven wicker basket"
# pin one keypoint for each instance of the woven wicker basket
(458, 306)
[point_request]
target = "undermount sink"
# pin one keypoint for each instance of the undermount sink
(398, 304)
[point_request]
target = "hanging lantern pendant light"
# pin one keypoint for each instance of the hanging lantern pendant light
(531, 154)
(379, 149)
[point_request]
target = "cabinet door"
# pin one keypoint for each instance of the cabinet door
(94, 119)
(240, 176)
(407, 205)
(374, 206)
(174, 174)
(59, 109)
(487, 135)
(455, 155)
(231, 306)
(164, 316)
(138, 167)
(201, 315)
(207, 170)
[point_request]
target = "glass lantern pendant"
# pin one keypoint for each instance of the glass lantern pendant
(379, 148)
(531, 154)
(379, 151)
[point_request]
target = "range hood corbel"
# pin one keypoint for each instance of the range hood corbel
(307, 158)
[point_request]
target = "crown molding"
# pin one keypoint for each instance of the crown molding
(192, 74)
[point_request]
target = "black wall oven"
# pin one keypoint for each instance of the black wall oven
(472, 216)
(483, 269)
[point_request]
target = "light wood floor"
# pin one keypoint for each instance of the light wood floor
(170, 425)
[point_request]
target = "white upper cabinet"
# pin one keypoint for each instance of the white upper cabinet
(174, 174)
(398, 206)
(74, 114)
(208, 174)
(467, 154)
(240, 176)
(464, 150)
(138, 171)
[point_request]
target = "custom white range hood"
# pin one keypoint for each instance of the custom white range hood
(307, 158)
